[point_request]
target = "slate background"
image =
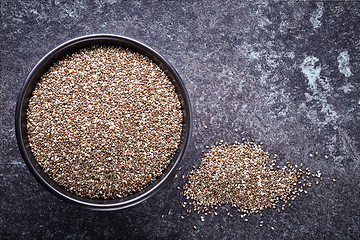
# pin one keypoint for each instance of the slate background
(284, 73)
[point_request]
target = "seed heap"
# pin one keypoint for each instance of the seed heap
(243, 176)
(104, 122)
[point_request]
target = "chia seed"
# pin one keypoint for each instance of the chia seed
(104, 122)
(243, 176)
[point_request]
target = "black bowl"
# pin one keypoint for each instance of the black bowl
(29, 86)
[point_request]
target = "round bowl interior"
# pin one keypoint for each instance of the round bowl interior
(33, 79)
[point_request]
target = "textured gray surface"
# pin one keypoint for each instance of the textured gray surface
(286, 74)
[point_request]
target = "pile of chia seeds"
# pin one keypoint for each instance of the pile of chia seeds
(243, 176)
(104, 122)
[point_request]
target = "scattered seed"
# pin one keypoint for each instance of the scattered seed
(243, 176)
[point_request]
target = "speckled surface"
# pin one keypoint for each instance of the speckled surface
(286, 74)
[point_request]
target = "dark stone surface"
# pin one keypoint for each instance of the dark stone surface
(286, 74)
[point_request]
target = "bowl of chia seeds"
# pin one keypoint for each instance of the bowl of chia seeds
(103, 121)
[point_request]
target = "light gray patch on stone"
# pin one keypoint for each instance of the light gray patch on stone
(263, 22)
(344, 63)
(110, 1)
(16, 163)
(311, 71)
(316, 15)
(347, 88)
(290, 54)
(321, 89)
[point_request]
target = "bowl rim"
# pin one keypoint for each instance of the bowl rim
(102, 205)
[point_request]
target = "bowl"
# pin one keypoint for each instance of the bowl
(26, 93)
